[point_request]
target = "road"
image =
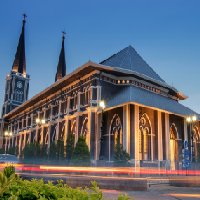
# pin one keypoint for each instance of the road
(159, 189)
(158, 192)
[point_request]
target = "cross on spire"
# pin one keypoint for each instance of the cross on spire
(63, 35)
(24, 21)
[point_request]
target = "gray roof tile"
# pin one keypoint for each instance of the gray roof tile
(150, 99)
(128, 58)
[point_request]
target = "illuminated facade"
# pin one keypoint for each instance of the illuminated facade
(141, 110)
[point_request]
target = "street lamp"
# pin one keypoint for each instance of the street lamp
(190, 120)
(39, 122)
(101, 156)
(7, 134)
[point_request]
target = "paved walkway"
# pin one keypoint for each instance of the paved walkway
(162, 191)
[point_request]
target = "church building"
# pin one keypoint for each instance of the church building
(141, 109)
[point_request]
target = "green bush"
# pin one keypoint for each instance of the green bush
(12, 188)
(60, 149)
(2, 150)
(69, 146)
(121, 158)
(81, 154)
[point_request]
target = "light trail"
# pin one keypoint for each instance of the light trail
(101, 170)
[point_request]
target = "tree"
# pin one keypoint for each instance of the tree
(121, 158)
(43, 153)
(11, 151)
(70, 146)
(81, 154)
(60, 149)
(2, 150)
(16, 150)
(52, 151)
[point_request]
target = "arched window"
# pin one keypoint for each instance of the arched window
(84, 131)
(115, 132)
(73, 131)
(145, 138)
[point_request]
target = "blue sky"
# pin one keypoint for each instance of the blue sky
(165, 33)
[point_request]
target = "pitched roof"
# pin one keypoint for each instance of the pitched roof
(61, 68)
(129, 59)
(19, 64)
(150, 99)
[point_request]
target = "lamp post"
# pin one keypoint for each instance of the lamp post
(101, 156)
(39, 122)
(190, 120)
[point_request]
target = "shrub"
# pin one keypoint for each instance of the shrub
(81, 154)
(12, 188)
(2, 150)
(11, 151)
(69, 146)
(121, 158)
(52, 151)
(60, 149)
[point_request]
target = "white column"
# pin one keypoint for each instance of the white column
(126, 128)
(185, 130)
(160, 146)
(136, 120)
(67, 118)
(167, 136)
(57, 130)
(89, 126)
(99, 117)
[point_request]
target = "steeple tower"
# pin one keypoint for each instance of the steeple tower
(17, 82)
(19, 64)
(61, 68)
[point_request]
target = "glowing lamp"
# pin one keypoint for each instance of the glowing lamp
(37, 120)
(189, 119)
(6, 133)
(43, 121)
(102, 105)
(194, 118)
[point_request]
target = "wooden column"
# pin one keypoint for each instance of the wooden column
(136, 124)
(126, 128)
(160, 147)
(67, 127)
(185, 130)
(51, 123)
(99, 116)
(91, 129)
(58, 129)
(167, 136)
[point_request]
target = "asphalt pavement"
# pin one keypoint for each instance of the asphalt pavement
(158, 191)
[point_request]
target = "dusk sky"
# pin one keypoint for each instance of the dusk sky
(166, 33)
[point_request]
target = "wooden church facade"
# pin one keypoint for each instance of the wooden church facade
(140, 109)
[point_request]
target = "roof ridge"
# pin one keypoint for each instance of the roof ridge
(113, 55)
(124, 56)
(146, 63)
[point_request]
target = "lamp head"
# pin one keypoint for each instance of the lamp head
(194, 118)
(102, 105)
(189, 119)
(37, 120)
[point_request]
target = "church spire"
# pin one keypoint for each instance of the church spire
(61, 68)
(19, 64)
